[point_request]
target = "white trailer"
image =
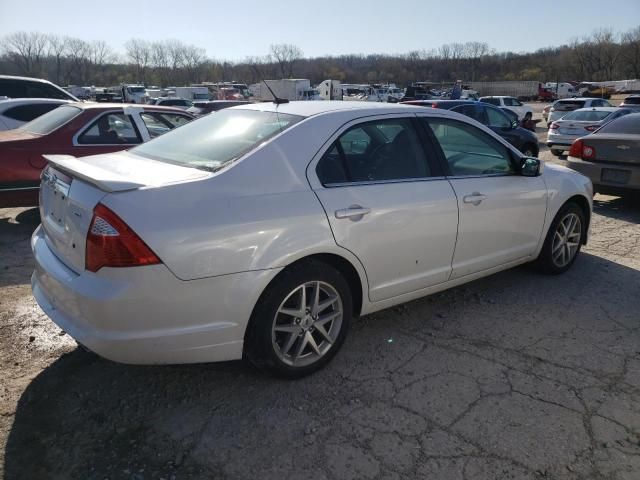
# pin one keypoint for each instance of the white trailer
(562, 89)
(192, 93)
(288, 88)
(330, 90)
(524, 90)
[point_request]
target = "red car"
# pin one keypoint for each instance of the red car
(77, 129)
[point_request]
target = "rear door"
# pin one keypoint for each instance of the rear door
(501, 213)
(388, 204)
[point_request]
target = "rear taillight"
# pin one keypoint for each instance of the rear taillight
(111, 243)
(434, 105)
(580, 150)
(591, 128)
(554, 126)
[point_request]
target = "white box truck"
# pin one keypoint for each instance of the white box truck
(330, 90)
(192, 93)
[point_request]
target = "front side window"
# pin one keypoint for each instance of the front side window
(111, 129)
(216, 140)
(470, 151)
(44, 90)
(380, 150)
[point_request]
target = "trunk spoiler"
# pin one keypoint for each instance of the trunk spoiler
(106, 180)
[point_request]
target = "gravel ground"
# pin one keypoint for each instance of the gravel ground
(516, 376)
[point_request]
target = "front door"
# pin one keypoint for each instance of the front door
(386, 205)
(501, 212)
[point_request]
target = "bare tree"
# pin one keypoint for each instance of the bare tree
(630, 51)
(57, 47)
(26, 51)
(474, 51)
(139, 52)
(194, 58)
(285, 55)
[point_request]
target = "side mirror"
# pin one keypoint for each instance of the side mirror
(530, 167)
(514, 124)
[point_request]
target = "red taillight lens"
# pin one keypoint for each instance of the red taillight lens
(111, 243)
(576, 149)
(588, 152)
(434, 105)
(591, 128)
(554, 126)
(580, 150)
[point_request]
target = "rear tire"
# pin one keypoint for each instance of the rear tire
(556, 152)
(293, 332)
(563, 241)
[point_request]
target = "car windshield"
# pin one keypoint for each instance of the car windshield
(215, 140)
(627, 124)
(52, 120)
(587, 116)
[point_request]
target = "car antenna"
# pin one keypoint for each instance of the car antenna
(276, 100)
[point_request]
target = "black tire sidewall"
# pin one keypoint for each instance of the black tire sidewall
(258, 345)
(545, 260)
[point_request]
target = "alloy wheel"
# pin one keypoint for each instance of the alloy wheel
(307, 323)
(566, 240)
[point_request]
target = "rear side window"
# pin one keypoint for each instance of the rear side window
(626, 124)
(473, 111)
(52, 120)
(632, 101)
(26, 113)
(380, 150)
(111, 129)
(159, 123)
(492, 101)
(468, 150)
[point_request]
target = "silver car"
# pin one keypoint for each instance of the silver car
(579, 123)
(262, 230)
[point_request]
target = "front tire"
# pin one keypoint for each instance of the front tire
(300, 321)
(564, 240)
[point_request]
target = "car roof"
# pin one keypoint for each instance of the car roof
(114, 105)
(30, 79)
(306, 108)
(6, 103)
(497, 96)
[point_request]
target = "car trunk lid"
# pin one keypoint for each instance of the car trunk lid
(615, 148)
(72, 187)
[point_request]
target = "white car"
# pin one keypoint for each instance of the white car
(260, 231)
(510, 103)
(561, 107)
(16, 112)
(579, 123)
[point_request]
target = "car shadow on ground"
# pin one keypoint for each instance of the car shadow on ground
(85, 417)
(16, 227)
(621, 208)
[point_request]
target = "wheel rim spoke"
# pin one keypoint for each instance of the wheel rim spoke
(307, 323)
(566, 240)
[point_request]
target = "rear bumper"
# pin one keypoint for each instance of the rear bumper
(593, 170)
(145, 315)
(560, 142)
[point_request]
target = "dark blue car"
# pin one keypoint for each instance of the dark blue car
(493, 117)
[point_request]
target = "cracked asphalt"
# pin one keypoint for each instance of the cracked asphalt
(515, 376)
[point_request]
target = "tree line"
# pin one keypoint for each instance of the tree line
(602, 55)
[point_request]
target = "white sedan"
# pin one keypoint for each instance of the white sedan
(262, 230)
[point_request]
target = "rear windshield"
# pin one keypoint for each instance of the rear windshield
(567, 106)
(626, 124)
(632, 101)
(52, 120)
(588, 116)
(211, 142)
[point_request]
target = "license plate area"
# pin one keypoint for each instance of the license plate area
(613, 175)
(55, 186)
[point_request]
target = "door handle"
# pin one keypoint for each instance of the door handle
(352, 211)
(475, 198)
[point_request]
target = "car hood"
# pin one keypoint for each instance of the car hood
(16, 135)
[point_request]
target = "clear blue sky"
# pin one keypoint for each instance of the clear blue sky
(232, 30)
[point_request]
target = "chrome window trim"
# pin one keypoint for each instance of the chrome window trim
(17, 189)
(86, 126)
(382, 182)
